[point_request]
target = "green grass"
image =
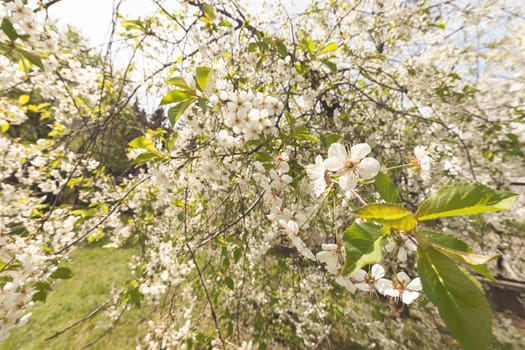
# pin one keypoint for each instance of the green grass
(95, 271)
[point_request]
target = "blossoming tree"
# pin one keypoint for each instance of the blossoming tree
(307, 160)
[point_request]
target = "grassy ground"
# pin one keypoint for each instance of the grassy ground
(96, 270)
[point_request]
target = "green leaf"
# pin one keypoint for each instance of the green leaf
(202, 104)
(263, 157)
(303, 133)
(291, 121)
(331, 46)
(132, 24)
(8, 29)
(224, 23)
(135, 297)
(363, 246)
(386, 188)
(457, 249)
(62, 273)
(42, 288)
(178, 81)
(308, 44)
(443, 239)
(146, 157)
(476, 262)
(176, 96)
(331, 65)
(328, 139)
(459, 298)
(30, 57)
(229, 282)
(209, 11)
(202, 77)
(23, 99)
(281, 49)
(144, 143)
(253, 47)
(464, 199)
(391, 215)
(176, 111)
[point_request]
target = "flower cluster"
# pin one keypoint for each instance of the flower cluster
(250, 114)
(345, 168)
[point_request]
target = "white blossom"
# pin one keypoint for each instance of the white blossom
(351, 166)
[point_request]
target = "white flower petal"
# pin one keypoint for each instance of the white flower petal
(368, 168)
(338, 151)
(333, 164)
(302, 248)
(402, 254)
(329, 258)
(318, 187)
(293, 227)
(415, 285)
(408, 297)
(389, 246)
(364, 287)
(410, 245)
(386, 288)
(420, 152)
(348, 181)
(359, 275)
(316, 173)
(345, 282)
(329, 246)
(378, 271)
(359, 151)
(402, 277)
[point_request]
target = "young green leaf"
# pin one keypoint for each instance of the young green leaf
(202, 77)
(303, 133)
(459, 298)
(42, 288)
(146, 157)
(464, 199)
(8, 29)
(476, 262)
(458, 250)
(331, 46)
(444, 239)
(62, 273)
(229, 283)
(23, 99)
(391, 215)
(176, 96)
(328, 139)
(281, 49)
(363, 246)
(177, 81)
(331, 66)
(144, 143)
(176, 111)
(29, 57)
(386, 188)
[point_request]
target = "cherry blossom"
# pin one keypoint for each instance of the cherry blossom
(421, 162)
(367, 281)
(351, 166)
(401, 288)
(318, 176)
